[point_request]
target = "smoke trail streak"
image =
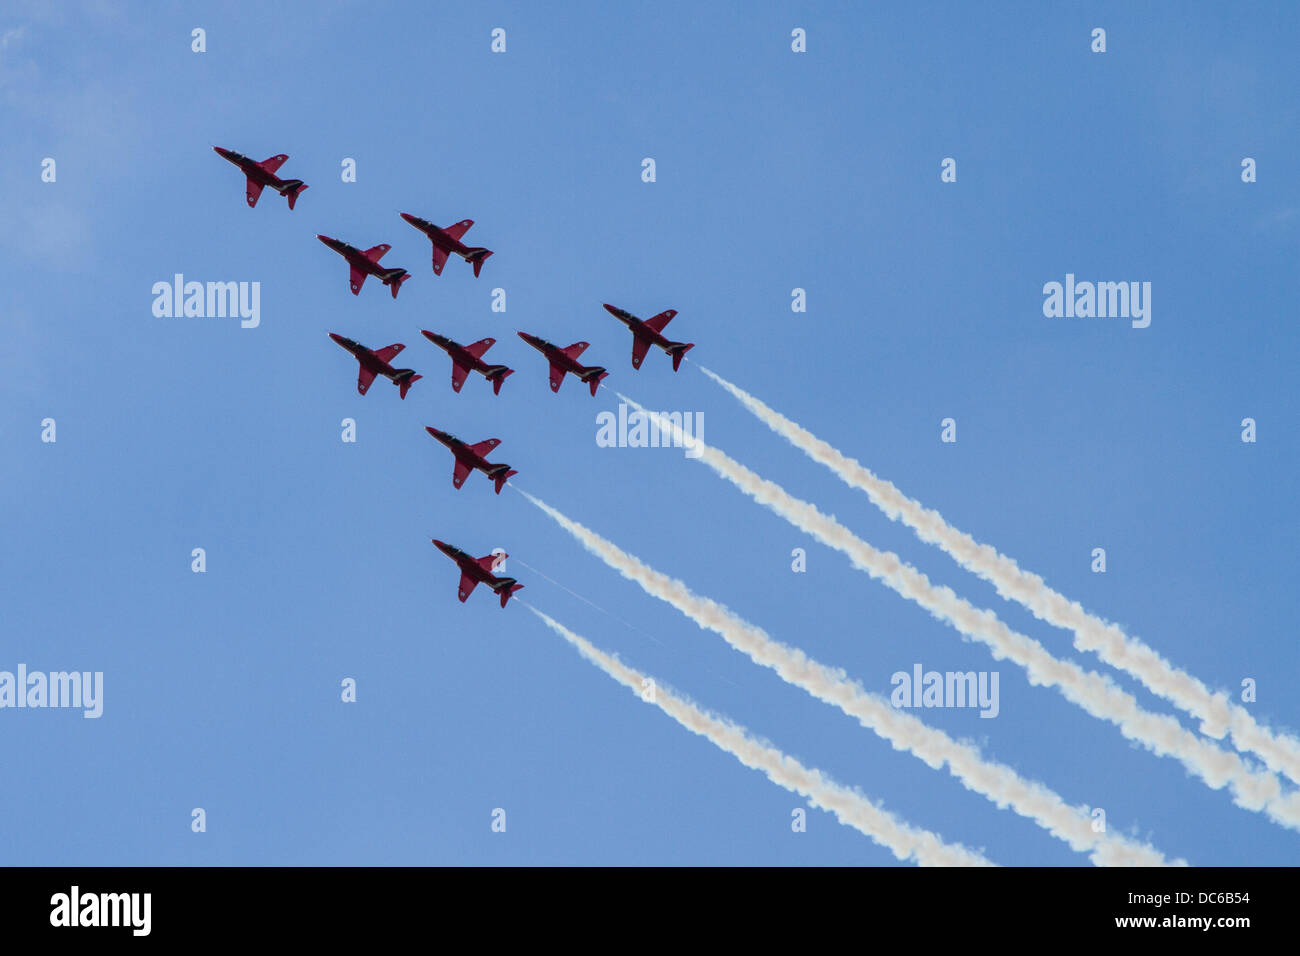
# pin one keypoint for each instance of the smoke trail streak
(999, 783)
(850, 807)
(1218, 715)
(1163, 735)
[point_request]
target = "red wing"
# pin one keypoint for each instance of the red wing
(479, 347)
(254, 191)
(458, 374)
(483, 447)
(557, 377)
(459, 229)
(356, 278)
(576, 349)
(274, 163)
(639, 348)
(659, 321)
(388, 354)
(461, 472)
(489, 562)
(375, 253)
(439, 260)
(466, 585)
(364, 378)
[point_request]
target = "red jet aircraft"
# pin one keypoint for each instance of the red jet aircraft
(648, 332)
(566, 360)
(465, 358)
(470, 457)
(376, 363)
(474, 570)
(261, 175)
(367, 264)
(448, 240)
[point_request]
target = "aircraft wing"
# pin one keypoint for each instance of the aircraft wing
(658, 322)
(388, 354)
(489, 562)
(467, 585)
(479, 347)
(557, 377)
(483, 447)
(274, 163)
(459, 229)
(460, 473)
(356, 277)
(576, 349)
(364, 378)
(375, 253)
(439, 260)
(254, 192)
(639, 348)
(458, 375)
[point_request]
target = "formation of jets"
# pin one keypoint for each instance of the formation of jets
(464, 358)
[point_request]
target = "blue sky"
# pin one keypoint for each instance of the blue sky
(775, 171)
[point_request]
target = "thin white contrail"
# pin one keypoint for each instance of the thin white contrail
(589, 603)
(999, 783)
(1217, 713)
(629, 625)
(850, 807)
(1252, 789)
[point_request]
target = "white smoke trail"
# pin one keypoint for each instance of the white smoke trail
(1097, 695)
(999, 783)
(1279, 751)
(850, 807)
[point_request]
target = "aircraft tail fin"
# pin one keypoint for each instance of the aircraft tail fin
(498, 375)
(503, 478)
(476, 255)
(292, 190)
(677, 350)
(595, 380)
(508, 591)
(404, 384)
(395, 282)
